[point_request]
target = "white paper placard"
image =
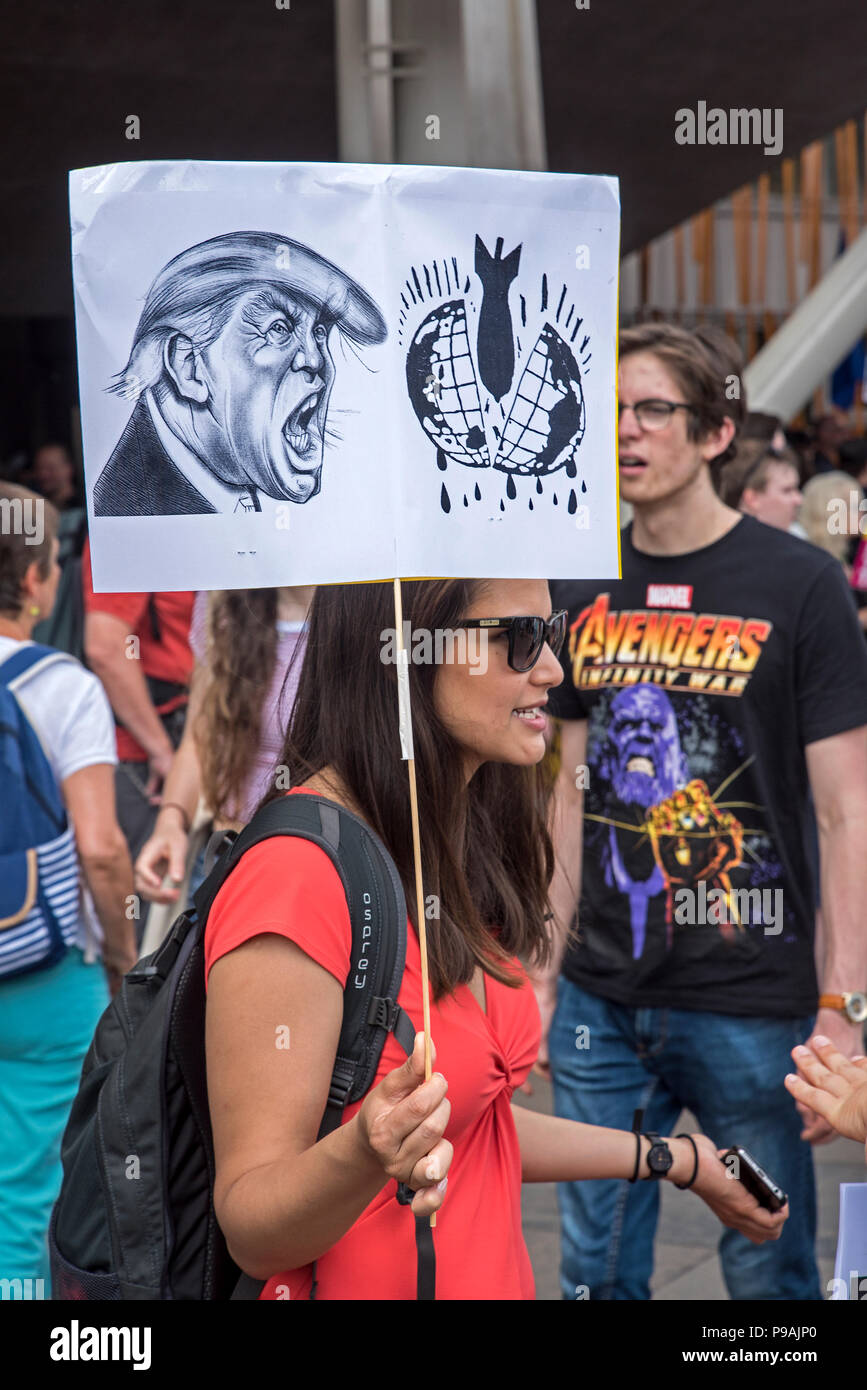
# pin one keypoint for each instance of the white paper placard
(314, 373)
(850, 1266)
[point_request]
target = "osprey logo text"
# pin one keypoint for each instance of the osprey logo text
(76, 1343)
(362, 963)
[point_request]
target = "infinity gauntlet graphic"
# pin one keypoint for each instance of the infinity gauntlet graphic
(693, 841)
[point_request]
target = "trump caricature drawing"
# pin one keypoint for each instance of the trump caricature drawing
(231, 372)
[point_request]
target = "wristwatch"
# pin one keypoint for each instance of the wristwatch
(660, 1158)
(854, 1005)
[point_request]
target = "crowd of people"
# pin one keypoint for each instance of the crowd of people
(629, 909)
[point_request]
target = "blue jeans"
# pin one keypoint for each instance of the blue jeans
(729, 1072)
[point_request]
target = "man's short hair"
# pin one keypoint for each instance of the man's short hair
(751, 467)
(17, 553)
(707, 366)
(759, 424)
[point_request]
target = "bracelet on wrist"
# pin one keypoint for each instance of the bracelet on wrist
(175, 806)
(637, 1122)
(634, 1177)
(684, 1185)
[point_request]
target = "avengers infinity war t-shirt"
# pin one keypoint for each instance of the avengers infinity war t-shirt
(703, 676)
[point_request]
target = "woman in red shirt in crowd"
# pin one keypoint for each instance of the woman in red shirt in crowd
(277, 956)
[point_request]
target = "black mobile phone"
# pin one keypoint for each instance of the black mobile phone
(755, 1179)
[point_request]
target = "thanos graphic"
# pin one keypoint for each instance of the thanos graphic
(664, 830)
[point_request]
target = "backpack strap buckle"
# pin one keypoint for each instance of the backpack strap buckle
(387, 1013)
(382, 1013)
(342, 1081)
(341, 1085)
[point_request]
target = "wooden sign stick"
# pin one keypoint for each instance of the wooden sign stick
(405, 716)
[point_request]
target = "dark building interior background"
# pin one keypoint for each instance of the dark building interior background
(215, 79)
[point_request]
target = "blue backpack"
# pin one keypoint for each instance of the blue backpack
(39, 877)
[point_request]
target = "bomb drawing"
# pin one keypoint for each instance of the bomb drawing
(483, 400)
(496, 353)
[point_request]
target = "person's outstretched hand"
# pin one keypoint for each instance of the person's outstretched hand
(830, 1026)
(832, 1085)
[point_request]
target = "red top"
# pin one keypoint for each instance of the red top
(289, 886)
(170, 659)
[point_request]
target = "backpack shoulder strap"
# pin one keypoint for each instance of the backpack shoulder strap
(41, 780)
(377, 912)
(24, 662)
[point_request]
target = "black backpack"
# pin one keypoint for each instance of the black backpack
(135, 1216)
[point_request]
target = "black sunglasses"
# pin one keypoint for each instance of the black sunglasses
(527, 636)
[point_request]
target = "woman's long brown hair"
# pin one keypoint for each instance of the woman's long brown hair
(241, 653)
(486, 853)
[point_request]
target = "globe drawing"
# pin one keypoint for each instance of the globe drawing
(544, 423)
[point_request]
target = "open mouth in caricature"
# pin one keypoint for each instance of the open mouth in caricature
(300, 428)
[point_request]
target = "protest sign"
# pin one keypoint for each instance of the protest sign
(314, 373)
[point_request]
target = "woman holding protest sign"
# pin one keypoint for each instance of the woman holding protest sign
(277, 951)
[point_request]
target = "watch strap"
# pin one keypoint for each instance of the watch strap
(853, 1004)
(832, 1001)
(637, 1122)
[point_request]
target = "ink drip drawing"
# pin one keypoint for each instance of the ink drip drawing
(494, 375)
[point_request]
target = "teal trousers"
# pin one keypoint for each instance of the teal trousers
(47, 1020)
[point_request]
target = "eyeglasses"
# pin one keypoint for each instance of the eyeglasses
(527, 636)
(653, 414)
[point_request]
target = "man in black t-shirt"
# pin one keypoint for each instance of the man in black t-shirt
(707, 692)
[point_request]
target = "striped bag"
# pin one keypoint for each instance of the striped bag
(39, 876)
